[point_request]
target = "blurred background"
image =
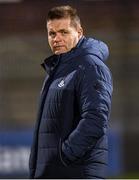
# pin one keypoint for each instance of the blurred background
(23, 47)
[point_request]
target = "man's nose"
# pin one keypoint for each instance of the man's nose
(57, 37)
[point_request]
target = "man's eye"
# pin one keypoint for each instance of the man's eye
(64, 32)
(52, 34)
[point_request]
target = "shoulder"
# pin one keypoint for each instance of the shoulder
(93, 68)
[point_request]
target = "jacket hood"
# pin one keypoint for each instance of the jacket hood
(85, 46)
(95, 47)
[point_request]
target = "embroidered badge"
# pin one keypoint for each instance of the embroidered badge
(61, 84)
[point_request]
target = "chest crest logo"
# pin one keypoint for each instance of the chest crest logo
(61, 84)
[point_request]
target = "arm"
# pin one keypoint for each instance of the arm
(94, 98)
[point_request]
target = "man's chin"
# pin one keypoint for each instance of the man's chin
(59, 52)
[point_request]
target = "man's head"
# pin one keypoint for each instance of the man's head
(64, 29)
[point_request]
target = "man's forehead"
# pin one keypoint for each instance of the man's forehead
(59, 23)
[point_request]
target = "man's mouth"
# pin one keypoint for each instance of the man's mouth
(57, 47)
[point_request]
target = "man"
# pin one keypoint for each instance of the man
(70, 138)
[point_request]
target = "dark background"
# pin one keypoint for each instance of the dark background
(23, 46)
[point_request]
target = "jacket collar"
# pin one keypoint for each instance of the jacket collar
(50, 63)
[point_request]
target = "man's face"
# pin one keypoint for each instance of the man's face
(62, 36)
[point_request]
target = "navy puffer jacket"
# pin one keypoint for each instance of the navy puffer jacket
(70, 137)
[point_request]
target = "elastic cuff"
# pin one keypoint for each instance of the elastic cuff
(65, 160)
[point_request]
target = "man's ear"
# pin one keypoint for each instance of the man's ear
(80, 32)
